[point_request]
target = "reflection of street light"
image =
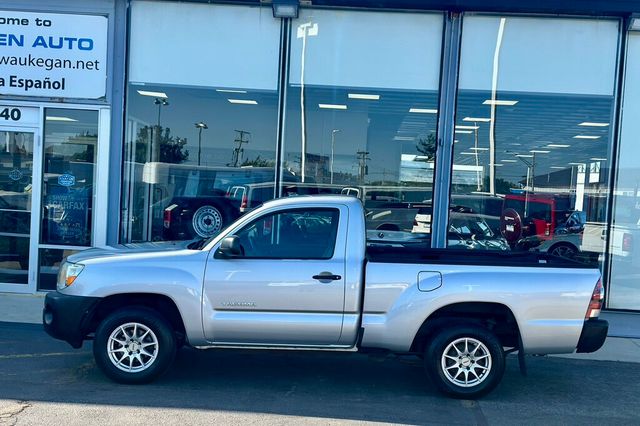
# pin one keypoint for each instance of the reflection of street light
(200, 126)
(160, 102)
(304, 30)
(333, 141)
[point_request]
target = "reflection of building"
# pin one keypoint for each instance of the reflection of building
(528, 107)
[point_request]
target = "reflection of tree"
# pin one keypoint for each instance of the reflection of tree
(502, 186)
(427, 147)
(258, 162)
(171, 148)
(87, 141)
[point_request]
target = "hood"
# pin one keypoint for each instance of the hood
(128, 249)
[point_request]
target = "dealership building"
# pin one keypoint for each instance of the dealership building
(462, 124)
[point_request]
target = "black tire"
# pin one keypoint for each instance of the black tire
(447, 378)
(564, 250)
(155, 361)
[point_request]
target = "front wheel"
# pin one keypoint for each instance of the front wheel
(465, 361)
(134, 345)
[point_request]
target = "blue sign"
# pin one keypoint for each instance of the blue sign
(66, 180)
(15, 174)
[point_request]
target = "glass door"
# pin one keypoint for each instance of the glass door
(69, 189)
(17, 196)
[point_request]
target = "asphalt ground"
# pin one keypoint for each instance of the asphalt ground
(44, 381)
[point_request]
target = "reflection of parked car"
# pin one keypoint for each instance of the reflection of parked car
(251, 195)
(488, 206)
(467, 230)
(201, 205)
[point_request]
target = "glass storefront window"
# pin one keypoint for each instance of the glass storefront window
(202, 128)
(361, 113)
(533, 135)
(624, 238)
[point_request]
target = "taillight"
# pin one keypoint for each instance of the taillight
(547, 231)
(167, 215)
(627, 242)
(244, 202)
(167, 219)
(595, 304)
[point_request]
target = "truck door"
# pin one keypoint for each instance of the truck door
(288, 285)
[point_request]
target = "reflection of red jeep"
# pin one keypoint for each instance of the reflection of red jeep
(527, 217)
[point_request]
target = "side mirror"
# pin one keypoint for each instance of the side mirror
(229, 248)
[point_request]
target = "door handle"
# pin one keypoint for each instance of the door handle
(326, 276)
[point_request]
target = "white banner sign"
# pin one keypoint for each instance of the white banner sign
(54, 55)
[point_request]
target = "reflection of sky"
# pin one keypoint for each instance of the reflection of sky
(384, 128)
(188, 106)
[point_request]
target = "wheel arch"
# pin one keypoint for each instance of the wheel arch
(495, 317)
(160, 303)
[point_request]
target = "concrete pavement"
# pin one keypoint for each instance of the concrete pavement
(623, 343)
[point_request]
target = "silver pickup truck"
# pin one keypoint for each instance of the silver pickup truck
(298, 273)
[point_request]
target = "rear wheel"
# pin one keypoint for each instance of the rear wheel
(465, 361)
(134, 345)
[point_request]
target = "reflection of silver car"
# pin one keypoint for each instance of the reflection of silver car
(466, 231)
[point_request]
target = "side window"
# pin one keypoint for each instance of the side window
(291, 234)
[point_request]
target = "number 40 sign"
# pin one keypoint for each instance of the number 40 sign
(19, 116)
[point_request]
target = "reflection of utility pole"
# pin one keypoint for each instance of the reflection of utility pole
(478, 174)
(333, 141)
(200, 126)
(304, 30)
(238, 150)
(155, 148)
(362, 165)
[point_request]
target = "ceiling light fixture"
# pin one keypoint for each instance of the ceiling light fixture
(557, 145)
(539, 151)
(152, 94)
(459, 127)
(592, 124)
(364, 96)
(498, 102)
(230, 91)
(243, 101)
(423, 110)
(332, 106)
(598, 159)
(478, 119)
(55, 118)
(586, 137)
(464, 131)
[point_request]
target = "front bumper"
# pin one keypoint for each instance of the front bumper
(594, 333)
(68, 317)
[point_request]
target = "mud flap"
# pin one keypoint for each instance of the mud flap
(521, 360)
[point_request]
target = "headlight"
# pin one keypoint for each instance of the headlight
(68, 274)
